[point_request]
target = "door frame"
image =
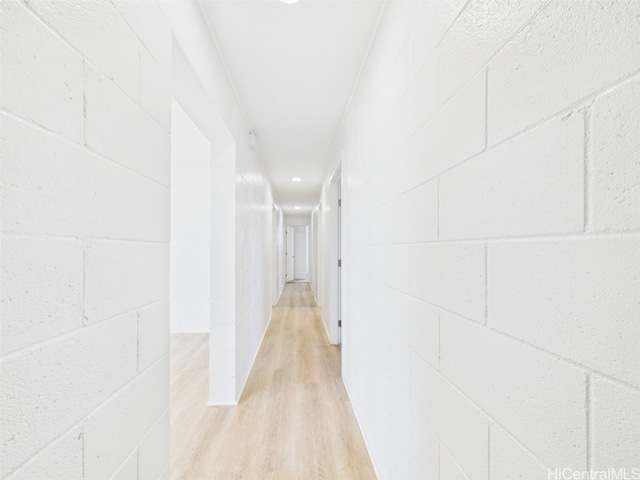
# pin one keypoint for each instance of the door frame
(289, 252)
(301, 255)
(336, 276)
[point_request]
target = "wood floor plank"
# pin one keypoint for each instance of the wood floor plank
(294, 420)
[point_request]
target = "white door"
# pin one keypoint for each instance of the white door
(290, 252)
(301, 268)
(339, 229)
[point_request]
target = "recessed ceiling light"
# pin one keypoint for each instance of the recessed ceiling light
(289, 1)
(296, 179)
(296, 207)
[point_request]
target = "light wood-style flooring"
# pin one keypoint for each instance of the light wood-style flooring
(294, 420)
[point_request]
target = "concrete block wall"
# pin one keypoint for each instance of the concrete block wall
(254, 234)
(222, 341)
(491, 202)
(84, 384)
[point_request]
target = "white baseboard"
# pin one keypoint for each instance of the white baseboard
(255, 356)
(364, 437)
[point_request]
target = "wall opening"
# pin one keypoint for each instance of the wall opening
(290, 252)
(190, 225)
(212, 217)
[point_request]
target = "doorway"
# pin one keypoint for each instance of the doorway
(333, 301)
(301, 257)
(297, 253)
(290, 253)
(209, 221)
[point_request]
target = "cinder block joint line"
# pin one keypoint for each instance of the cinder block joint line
(82, 421)
(441, 443)
(586, 171)
(569, 236)
(62, 336)
(575, 107)
(70, 45)
(136, 449)
(566, 361)
(490, 420)
(81, 146)
(502, 47)
(72, 238)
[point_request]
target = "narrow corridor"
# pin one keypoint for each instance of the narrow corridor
(294, 420)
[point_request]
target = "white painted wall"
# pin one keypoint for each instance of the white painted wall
(84, 259)
(313, 254)
(491, 206)
(190, 225)
(297, 219)
(278, 265)
(244, 240)
(301, 261)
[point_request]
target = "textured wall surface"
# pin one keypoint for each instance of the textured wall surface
(85, 233)
(491, 198)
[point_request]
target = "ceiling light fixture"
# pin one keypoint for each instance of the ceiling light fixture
(296, 207)
(296, 179)
(288, 2)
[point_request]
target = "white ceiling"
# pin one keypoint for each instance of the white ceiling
(294, 68)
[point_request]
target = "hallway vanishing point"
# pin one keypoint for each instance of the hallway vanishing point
(294, 419)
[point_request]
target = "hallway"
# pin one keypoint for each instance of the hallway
(467, 174)
(294, 419)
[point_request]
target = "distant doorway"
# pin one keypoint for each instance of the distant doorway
(289, 252)
(336, 279)
(301, 259)
(297, 253)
